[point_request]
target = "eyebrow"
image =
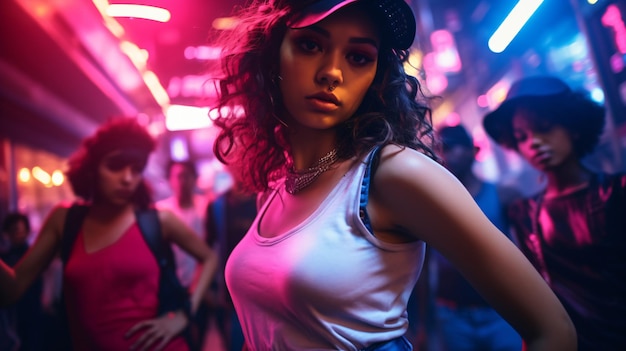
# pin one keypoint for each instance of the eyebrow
(353, 40)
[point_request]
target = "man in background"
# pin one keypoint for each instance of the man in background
(230, 216)
(464, 320)
(191, 208)
(21, 324)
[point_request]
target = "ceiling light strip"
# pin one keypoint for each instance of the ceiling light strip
(152, 13)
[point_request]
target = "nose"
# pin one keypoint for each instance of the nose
(127, 174)
(535, 139)
(330, 73)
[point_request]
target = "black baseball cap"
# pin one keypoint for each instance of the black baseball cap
(396, 17)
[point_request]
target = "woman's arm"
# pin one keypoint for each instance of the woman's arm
(180, 234)
(15, 281)
(412, 195)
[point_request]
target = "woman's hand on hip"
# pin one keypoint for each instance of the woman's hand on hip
(159, 331)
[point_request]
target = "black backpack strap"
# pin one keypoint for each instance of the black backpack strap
(71, 227)
(172, 295)
(150, 227)
(73, 222)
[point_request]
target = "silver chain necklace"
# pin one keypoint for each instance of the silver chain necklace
(298, 180)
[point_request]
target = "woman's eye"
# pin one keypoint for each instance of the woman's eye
(115, 165)
(360, 59)
(519, 137)
(308, 45)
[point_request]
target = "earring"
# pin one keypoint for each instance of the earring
(280, 120)
(332, 86)
(274, 112)
(275, 79)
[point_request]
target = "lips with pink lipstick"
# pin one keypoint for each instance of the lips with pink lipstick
(323, 102)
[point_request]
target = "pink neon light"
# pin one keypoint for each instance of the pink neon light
(497, 93)
(436, 83)
(617, 63)
(612, 18)
(453, 119)
(482, 101)
(152, 13)
(446, 55)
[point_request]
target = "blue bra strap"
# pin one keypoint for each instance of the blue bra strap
(365, 189)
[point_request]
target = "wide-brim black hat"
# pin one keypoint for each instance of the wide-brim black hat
(396, 17)
(524, 91)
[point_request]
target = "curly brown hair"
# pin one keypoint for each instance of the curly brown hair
(394, 110)
(121, 133)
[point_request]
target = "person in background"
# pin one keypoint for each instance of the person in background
(574, 231)
(55, 331)
(111, 277)
(28, 311)
(229, 217)
(317, 114)
(191, 208)
(465, 320)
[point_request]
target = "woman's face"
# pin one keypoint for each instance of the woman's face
(119, 176)
(543, 146)
(340, 51)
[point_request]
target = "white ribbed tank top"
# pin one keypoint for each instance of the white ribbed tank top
(326, 284)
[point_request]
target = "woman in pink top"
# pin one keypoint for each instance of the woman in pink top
(111, 278)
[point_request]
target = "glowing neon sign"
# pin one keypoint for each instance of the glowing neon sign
(612, 19)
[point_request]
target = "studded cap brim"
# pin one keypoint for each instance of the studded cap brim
(396, 17)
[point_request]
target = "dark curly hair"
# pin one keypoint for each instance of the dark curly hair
(120, 133)
(394, 110)
(582, 117)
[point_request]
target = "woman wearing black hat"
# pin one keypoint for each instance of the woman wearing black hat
(337, 137)
(574, 231)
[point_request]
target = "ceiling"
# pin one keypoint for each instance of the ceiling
(190, 26)
(62, 72)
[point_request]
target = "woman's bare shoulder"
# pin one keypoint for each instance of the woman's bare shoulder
(408, 183)
(402, 163)
(55, 221)
(171, 224)
(59, 211)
